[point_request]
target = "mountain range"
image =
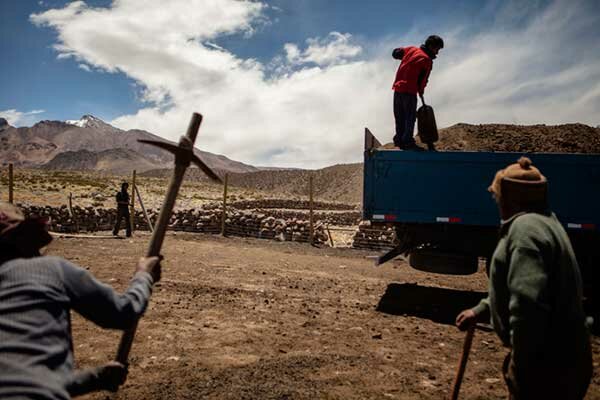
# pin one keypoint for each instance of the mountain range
(92, 144)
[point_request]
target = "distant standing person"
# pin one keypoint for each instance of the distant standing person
(123, 210)
(535, 293)
(411, 78)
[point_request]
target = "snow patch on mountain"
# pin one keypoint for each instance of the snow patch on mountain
(89, 121)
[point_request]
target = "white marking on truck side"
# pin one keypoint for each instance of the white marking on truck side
(378, 216)
(580, 226)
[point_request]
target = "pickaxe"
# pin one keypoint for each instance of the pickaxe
(464, 357)
(184, 155)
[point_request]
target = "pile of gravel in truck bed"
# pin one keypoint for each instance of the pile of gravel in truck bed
(567, 138)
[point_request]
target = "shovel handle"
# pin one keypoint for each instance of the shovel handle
(464, 357)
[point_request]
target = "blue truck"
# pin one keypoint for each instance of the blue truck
(445, 219)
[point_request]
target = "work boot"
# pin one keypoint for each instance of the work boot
(412, 147)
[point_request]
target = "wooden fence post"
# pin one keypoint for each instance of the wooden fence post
(224, 213)
(311, 223)
(132, 206)
(10, 183)
(144, 209)
(329, 234)
(72, 213)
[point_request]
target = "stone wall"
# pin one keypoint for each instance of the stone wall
(284, 225)
(336, 218)
(374, 236)
(290, 204)
(238, 222)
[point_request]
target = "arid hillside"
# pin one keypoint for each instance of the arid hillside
(339, 183)
(92, 144)
(116, 161)
(336, 183)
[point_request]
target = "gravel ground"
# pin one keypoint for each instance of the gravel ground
(241, 318)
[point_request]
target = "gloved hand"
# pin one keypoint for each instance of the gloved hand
(112, 375)
(150, 265)
(107, 377)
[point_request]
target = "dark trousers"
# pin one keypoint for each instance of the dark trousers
(405, 113)
(567, 380)
(122, 213)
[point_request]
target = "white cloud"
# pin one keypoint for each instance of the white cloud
(20, 118)
(308, 107)
(85, 67)
(334, 49)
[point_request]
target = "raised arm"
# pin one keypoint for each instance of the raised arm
(100, 303)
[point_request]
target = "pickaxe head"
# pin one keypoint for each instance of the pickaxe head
(184, 155)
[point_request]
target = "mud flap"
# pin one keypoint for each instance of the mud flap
(393, 253)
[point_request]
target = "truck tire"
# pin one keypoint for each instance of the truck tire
(443, 263)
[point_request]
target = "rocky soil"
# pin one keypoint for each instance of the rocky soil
(568, 138)
(249, 319)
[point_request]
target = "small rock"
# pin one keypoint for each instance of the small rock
(378, 336)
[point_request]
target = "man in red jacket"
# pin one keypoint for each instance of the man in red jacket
(411, 78)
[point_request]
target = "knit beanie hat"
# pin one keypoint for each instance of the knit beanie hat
(26, 234)
(521, 182)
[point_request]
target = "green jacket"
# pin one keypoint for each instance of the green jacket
(535, 293)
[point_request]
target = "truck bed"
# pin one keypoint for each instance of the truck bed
(451, 187)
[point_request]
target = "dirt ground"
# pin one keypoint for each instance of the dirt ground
(239, 318)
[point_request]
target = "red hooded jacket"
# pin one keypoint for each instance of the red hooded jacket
(414, 70)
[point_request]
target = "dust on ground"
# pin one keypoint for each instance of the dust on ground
(238, 318)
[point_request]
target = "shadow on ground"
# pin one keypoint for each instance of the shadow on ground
(437, 304)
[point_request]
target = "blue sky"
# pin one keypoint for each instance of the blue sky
(293, 83)
(34, 73)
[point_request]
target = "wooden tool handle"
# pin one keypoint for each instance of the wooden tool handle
(160, 228)
(464, 357)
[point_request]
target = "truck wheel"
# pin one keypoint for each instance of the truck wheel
(443, 263)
